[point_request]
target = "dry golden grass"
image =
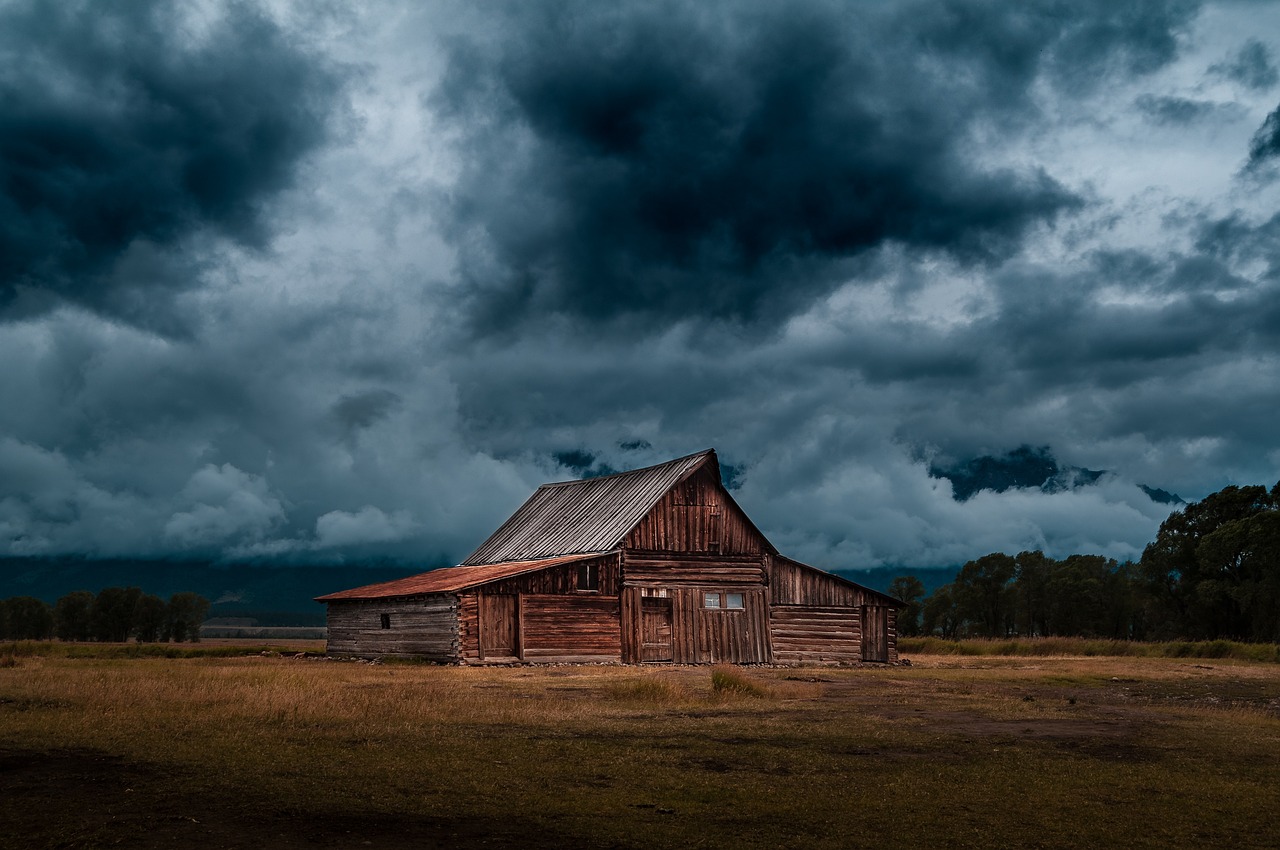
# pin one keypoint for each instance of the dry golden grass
(955, 751)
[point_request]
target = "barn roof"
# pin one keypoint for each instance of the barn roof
(449, 579)
(592, 515)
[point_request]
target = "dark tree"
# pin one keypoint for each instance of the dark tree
(149, 618)
(1031, 592)
(1211, 568)
(27, 618)
(113, 612)
(186, 611)
(910, 590)
(940, 614)
(72, 616)
(984, 596)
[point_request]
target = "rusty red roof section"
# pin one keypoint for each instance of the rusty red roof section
(451, 579)
(592, 515)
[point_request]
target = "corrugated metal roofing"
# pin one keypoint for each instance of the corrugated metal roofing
(450, 579)
(592, 515)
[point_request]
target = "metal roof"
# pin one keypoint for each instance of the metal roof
(450, 579)
(592, 515)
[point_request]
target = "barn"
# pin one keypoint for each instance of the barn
(653, 565)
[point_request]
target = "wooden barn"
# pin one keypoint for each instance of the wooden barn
(653, 565)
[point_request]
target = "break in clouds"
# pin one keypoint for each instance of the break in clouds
(287, 283)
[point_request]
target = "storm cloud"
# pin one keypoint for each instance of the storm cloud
(298, 283)
(126, 129)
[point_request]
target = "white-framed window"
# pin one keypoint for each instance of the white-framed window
(724, 601)
(588, 577)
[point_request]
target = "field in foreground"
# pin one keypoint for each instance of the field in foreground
(289, 752)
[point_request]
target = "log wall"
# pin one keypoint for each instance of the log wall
(813, 634)
(571, 628)
(650, 567)
(574, 627)
(423, 626)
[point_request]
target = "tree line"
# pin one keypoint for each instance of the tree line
(114, 614)
(1213, 572)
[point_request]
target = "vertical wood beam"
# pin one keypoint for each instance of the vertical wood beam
(520, 626)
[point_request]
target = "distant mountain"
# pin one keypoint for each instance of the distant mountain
(1164, 497)
(879, 578)
(1027, 467)
(270, 595)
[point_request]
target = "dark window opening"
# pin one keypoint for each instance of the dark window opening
(588, 577)
(386, 621)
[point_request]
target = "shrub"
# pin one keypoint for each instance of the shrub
(731, 681)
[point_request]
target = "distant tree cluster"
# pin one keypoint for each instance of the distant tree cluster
(113, 614)
(1212, 572)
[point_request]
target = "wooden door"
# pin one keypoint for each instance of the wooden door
(655, 629)
(875, 633)
(498, 628)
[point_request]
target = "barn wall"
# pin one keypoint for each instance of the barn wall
(696, 515)
(816, 634)
(793, 583)
(582, 627)
(700, 635)
(640, 567)
(423, 626)
(570, 628)
(815, 617)
(561, 579)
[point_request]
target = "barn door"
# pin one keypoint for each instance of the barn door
(498, 631)
(875, 633)
(655, 628)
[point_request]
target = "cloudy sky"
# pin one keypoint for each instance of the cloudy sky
(331, 282)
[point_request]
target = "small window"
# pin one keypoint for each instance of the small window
(386, 621)
(711, 600)
(588, 577)
(733, 600)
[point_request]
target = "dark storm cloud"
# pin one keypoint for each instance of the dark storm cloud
(724, 160)
(1178, 111)
(126, 127)
(1251, 67)
(1265, 145)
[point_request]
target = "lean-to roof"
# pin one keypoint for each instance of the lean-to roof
(450, 579)
(592, 515)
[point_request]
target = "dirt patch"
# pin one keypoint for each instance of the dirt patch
(67, 799)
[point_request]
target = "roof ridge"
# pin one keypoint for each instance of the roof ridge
(638, 469)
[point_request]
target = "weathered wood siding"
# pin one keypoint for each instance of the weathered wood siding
(793, 583)
(817, 617)
(570, 628)
(562, 578)
(542, 627)
(424, 627)
(656, 568)
(696, 515)
(814, 634)
(699, 635)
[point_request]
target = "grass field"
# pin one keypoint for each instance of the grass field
(275, 750)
